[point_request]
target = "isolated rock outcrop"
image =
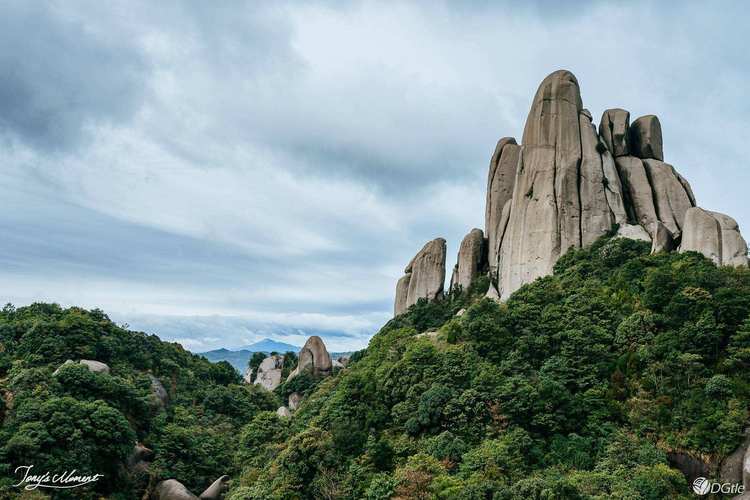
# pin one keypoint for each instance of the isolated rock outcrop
(645, 138)
(283, 412)
(313, 357)
(171, 489)
(269, 372)
(425, 276)
(247, 377)
(295, 399)
(614, 129)
(92, 365)
(139, 458)
(471, 259)
(216, 490)
(715, 235)
(564, 187)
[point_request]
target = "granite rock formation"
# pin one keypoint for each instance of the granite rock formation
(216, 490)
(171, 489)
(716, 236)
(565, 186)
(424, 276)
(313, 357)
(472, 257)
(269, 372)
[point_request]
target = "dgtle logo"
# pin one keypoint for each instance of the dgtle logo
(701, 486)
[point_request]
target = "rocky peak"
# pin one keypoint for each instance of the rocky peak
(565, 186)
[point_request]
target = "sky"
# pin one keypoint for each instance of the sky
(216, 173)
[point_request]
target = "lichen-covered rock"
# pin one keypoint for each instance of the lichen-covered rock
(95, 366)
(269, 372)
(171, 489)
(216, 490)
(471, 259)
(645, 138)
(614, 129)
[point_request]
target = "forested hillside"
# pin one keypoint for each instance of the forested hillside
(579, 386)
(76, 419)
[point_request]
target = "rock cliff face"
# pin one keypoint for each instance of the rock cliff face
(314, 357)
(424, 276)
(565, 186)
(471, 260)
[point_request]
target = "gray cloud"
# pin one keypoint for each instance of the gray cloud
(186, 162)
(59, 76)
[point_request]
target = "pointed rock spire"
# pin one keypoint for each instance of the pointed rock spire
(424, 276)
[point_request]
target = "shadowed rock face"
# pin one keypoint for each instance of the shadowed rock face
(645, 138)
(424, 276)
(614, 130)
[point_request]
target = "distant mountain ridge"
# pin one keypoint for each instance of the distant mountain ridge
(239, 358)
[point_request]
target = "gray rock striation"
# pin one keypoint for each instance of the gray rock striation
(565, 186)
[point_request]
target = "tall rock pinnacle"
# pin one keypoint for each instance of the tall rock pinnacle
(567, 185)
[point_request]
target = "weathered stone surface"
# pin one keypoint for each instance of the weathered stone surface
(637, 190)
(500, 182)
(645, 138)
(702, 233)
(427, 270)
(269, 372)
(633, 232)
(336, 364)
(496, 257)
(402, 295)
(733, 245)
(216, 490)
(471, 258)
(171, 489)
(539, 228)
(283, 412)
(454, 278)
(662, 241)
(613, 186)
(596, 216)
(344, 360)
(159, 392)
(138, 456)
(95, 366)
(247, 377)
(614, 129)
(731, 467)
(671, 199)
(67, 362)
(314, 357)
(691, 467)
(295, 399)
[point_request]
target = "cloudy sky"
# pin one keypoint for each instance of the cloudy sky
(220, 172)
